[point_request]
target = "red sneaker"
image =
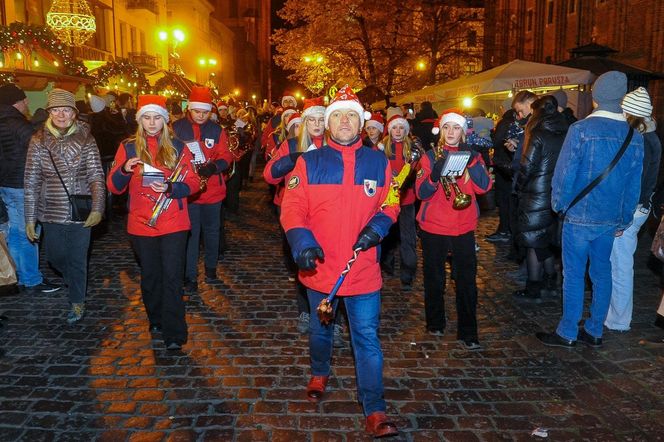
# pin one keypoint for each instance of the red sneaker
(379, 426)
(316, 388)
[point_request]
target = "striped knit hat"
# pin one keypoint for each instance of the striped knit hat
(637, 103)
(60, 98)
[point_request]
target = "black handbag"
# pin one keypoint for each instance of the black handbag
(80, 205)
(591, 186)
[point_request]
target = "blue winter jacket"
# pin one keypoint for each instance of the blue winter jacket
(589, 147)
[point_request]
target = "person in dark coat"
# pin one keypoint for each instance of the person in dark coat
(423, 123)
(545, 133)
(502, 159)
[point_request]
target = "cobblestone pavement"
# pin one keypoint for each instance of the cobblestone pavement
(241, 376)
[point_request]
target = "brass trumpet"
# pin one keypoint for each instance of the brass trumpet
(461, 200)
(163, 202)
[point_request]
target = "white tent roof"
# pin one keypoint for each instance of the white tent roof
(516, 74)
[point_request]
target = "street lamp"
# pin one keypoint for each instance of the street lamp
(174, 38)
(421, 65)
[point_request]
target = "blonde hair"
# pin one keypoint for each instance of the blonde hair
(441, 140)
(387, 146)
(167, 155)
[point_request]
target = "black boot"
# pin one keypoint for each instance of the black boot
(551, 284)
(532, 292)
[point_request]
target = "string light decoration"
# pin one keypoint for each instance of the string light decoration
(19, 41)
(72, 21)
(130, 75)
(6, 78)
(171, 88)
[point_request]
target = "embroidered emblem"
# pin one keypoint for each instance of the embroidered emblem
(370, 187)
(420, 173)
(209, 143)
(293, 182)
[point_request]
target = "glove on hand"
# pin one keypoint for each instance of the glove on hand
(437, 169)
(207, 170)
(306, 260)
(367, 239)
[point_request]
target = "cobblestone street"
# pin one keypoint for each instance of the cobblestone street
(241, 376)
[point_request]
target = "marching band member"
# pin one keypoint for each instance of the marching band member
(448, 226)
(277, 171)
(155, 168)
(274, 134)
(205, 205)
(374, 128)
(332, 207)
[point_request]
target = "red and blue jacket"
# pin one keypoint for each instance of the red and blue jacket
(407, 193)
(213, 141)
(278, 168)
(331, 195)
(142, 199)
(436, 214)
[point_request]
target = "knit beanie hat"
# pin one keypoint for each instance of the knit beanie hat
(152, 103)
(561, 98)
(97, 104)
(11, 94)
(637, 103)
(398, 119)
(200, 98)
(376, 121)
(60, 98)
(345, 98)
(609, 90)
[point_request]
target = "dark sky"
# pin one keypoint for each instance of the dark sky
(280, 81)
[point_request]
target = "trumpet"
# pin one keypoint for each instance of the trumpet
(163, 202)
(449, 183)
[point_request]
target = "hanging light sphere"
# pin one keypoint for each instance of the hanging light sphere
(71, 21)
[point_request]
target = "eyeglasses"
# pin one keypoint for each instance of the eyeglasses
(61, 110)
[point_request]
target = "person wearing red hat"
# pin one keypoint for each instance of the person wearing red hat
(375, 129)
(335, 205)
(205, 208)
(274, 133)
(154, 167)
(448, 227)
(277, 171)
(400, 149)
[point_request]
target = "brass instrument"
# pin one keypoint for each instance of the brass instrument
(163, 202)
(449, 183)
(238, 149)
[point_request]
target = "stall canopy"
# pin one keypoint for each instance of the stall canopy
(515, 75)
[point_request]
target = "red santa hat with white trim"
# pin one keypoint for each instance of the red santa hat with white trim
(345, 98)
(222, 105)
(376, 121)
(313, 106)
(450, 116)
(288, 95)
(293, 118)
(200, 98)
(398, 119)
(151, 103)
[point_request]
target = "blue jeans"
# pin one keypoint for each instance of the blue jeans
(581, 243)
(363, 313)
(622, 274)
(24, 252)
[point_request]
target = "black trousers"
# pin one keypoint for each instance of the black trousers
(503, 194)
(67, 247)
(291, 267)
(434, 253)
(162, 260)
(402, 233)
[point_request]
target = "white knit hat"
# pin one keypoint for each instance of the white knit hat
(97, 104)
(637, 103)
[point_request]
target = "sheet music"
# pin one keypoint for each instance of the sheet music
(455, 163)
(195, 149)
(150, 170)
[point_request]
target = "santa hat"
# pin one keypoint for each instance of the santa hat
(398, 119)
(200, 98)
(151, 103)
(294, 118)
(346, 99)
(450, 116)
(222, 105)
(376, 121)
(286, 113)
(288, 95)
(313, 106)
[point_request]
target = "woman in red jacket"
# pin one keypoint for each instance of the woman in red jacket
(446, 228)
(156, 170)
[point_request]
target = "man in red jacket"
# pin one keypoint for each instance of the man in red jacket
(333, 205)
(202, 134)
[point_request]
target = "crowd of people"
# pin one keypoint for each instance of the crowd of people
(568, 192)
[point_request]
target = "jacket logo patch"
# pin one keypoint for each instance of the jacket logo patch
(293, 182)
(370, 187)
(209, 143)
(420, 173)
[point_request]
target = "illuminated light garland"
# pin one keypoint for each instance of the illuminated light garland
(71, 21)
(122, 68)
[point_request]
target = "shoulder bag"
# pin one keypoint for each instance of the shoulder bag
(80, 205)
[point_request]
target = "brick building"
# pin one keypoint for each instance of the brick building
(546, 30)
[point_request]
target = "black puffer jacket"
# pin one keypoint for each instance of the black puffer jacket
(15, 133)
(536, 220)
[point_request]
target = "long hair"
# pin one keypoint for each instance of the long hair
(543, 108)
(638, 123)
(167, 155)
(387, 145)
(304, 140)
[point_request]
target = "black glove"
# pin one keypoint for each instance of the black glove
(306, 260)
(294, 156)
(207, 170)
(437, 169)
(367, 239)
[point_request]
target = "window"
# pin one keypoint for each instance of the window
(529, 21)
(571, 7)
(472, 39)
(549, 15)
(143, 48)
(132, 39)
(123, 39)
